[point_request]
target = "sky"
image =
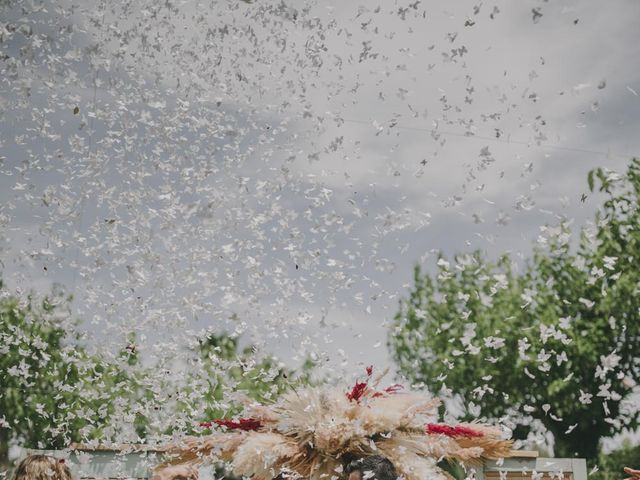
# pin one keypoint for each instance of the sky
(276, 170)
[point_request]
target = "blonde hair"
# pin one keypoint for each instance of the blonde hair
(42, 467)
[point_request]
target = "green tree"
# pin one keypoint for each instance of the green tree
(52, 392)
(557, 342)
(610, 464)
(36, 362)
(114, 389)
(228, 369)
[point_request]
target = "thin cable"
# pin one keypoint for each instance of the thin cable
(91, 146)
(499, 140)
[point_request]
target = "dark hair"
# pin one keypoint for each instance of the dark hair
(380, 466)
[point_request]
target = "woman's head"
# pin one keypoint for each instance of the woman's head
(373, 467)
(42, 467)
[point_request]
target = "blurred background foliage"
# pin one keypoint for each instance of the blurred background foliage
(53, 392)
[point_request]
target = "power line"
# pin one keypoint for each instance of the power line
(91, 150)
(500, 140)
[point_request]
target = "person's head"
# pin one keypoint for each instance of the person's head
(373, 467)
(42, 467)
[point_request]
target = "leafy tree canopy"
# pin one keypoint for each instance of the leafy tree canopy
(54, 392)
(557, 342)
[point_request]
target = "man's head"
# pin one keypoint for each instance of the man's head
(373, 467)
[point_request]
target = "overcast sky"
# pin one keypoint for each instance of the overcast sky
(174, 164)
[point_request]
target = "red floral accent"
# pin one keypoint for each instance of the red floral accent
(242, 424)
(449, 431)
(360, 389)
(357, 391)
(396, 387)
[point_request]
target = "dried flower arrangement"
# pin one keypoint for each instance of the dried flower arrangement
(311, 433)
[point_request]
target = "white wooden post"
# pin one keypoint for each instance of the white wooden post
(527, 465)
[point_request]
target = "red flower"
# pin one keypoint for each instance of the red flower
(242, 424)
(449, 431)
(357, 391)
